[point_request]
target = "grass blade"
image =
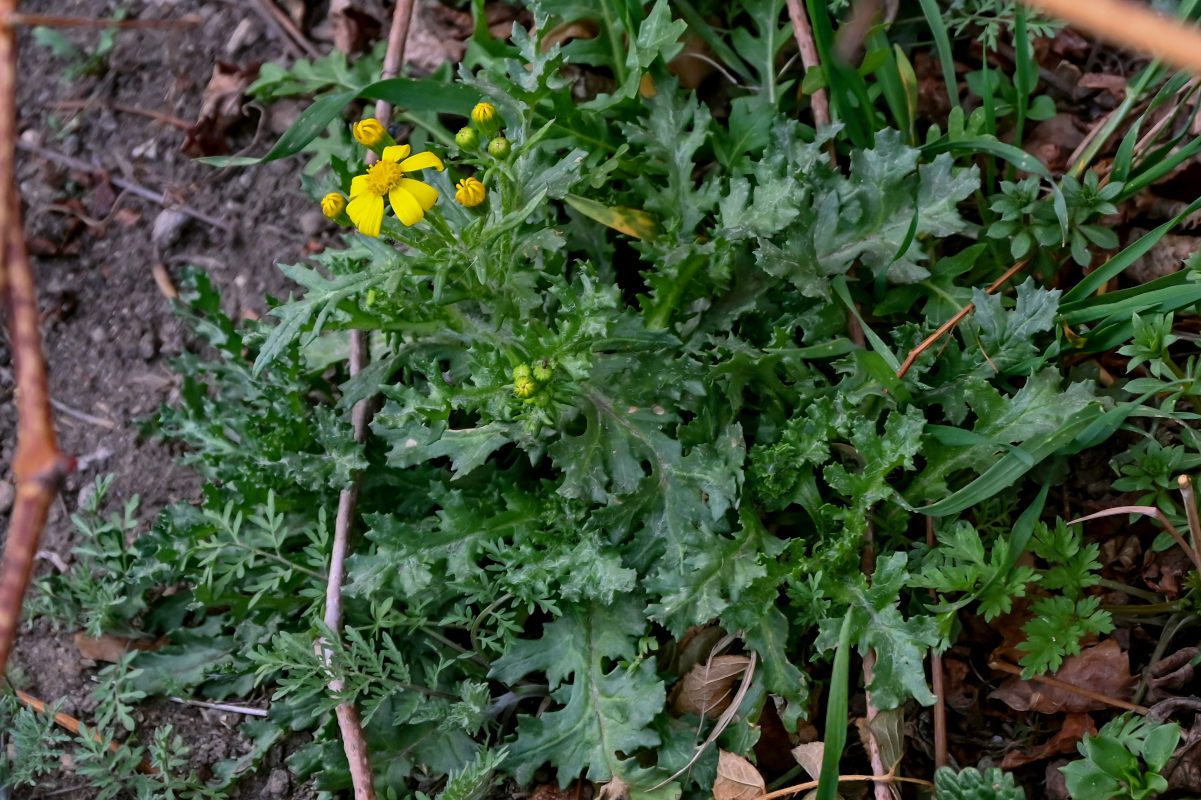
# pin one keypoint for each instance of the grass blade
(836, 714)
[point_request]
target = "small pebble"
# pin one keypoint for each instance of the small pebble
(7, 495)
(168, 227)
(148, 346)
(313, 222)
(277, 784)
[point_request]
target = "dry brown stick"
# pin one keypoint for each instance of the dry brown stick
(1004, 666)
(867, 566)
(121, 183)
(1190, 510)
(936, 678)
(293, 39)
(349, 724)
(158, 116)
(884, 778)
(38, 466)
(68, 722)
(809, 58)
(1130, 25)
(54, 21)
(950, 324)
(881, 790)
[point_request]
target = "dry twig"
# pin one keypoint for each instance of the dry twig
(293, 39)
(38, 465)
(883, 778)
(55, 21)
(68, 722)
(950, 324)
(1130, 25)
(1004, 666)
(349, 724)
(121, 183)
(809, 58)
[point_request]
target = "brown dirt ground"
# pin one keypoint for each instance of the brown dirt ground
(109, 331)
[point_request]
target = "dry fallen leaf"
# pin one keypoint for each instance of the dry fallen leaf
(110, 648)
(809, 756)
(1073, 729)
(220, 108)
(737, 778)
(1167, 676)
(354, 29)
(1102, 668)
(706, 689)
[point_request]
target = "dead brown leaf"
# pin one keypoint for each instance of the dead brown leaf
(959, 693)
(354, 28)
(809, 756)
(551, 791)
(1073, 729)
(706, 689)
(737, 778)
(1101, 668)
(1169, 675)
(220, 108)
(1107, 83)
(110, 648)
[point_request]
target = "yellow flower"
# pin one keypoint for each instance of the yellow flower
(485, 118)
(410, 199)
(332, 205)
(470, 192)
(370, 133)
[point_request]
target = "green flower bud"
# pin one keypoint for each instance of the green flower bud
(524, 387)
(467, 139)
(543, 371)
(499, 147)
(521, 372)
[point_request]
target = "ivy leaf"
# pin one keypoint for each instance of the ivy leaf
(603, 712)
(900, 643)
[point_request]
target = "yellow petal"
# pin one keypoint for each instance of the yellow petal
(358, 185)
(407, 209)
(421, 161)
(367, 213)
(426, 195)
(395, 152)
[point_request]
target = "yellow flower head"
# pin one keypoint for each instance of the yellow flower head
(371, 133)
(332, 205)
(470, 192)
(410, 198)
(485, 117)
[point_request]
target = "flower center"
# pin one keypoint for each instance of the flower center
(383, 177)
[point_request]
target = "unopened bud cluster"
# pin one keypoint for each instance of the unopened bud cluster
(529, 381)
(486, 123)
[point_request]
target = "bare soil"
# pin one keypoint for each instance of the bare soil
(108, 327)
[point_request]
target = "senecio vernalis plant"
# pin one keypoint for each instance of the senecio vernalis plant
(638, 385)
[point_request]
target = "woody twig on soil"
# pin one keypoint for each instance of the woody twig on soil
(1012, 669)
(809, 58)
(293, 39)
(38, 465)
(121, 183)
(349, 723)
(950, 324)
(70, 723)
